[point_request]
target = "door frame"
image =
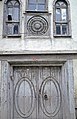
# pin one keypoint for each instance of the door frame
(67, 79)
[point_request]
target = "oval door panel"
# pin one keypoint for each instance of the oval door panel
(50, 96)
(24, 96)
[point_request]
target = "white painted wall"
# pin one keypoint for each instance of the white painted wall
(51, 44)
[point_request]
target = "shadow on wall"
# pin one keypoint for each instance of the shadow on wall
(76, 112)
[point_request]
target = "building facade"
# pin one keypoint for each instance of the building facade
(38, 59)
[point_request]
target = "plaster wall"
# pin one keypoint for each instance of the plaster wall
(40, 44)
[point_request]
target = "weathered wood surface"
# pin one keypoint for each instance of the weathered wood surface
(5, 103)
(48, 91)
(0, 89)
(37, 92)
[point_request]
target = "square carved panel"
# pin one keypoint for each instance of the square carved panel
(37, 24)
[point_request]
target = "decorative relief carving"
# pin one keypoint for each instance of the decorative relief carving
(37, 25)
(24, 97)
(49, 93)
(53, 96)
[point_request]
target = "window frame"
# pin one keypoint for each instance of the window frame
(28, 10)
(67, 22)
(11, 22)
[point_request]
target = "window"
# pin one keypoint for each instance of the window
(37, 19)
(61, 18)
(12, 20)
(37, 5)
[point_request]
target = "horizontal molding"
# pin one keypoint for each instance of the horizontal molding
(24, 52)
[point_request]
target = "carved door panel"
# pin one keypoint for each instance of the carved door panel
(37, 93)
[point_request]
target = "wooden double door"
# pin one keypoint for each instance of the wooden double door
(36, 92)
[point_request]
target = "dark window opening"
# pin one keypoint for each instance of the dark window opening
(64, 29)
(15, 31)
(58, 29)
(9, 17)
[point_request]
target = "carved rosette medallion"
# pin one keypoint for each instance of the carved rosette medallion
(37, 25)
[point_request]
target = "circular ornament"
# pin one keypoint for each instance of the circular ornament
(37, 25)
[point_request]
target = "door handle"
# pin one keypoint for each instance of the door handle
(45, 97)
